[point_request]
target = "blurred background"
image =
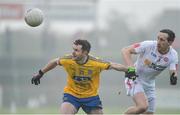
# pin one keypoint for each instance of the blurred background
(109, 25)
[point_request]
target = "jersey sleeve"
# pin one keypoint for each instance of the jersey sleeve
(65, 60)
(104, 65)
(173, 65)
(99, 63)
(62, 61)
(142, 46)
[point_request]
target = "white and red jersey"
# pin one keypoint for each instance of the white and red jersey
(151, 63)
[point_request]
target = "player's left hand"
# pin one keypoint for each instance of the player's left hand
(131, 73)
(173, 79)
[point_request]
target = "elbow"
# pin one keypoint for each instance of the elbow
(54, 62)
(124, 50)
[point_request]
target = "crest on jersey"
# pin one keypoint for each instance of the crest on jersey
(90, 72)
(166, 59)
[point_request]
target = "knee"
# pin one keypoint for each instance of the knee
(68, 108)
(67, 111)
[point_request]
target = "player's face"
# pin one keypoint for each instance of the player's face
(162, 42)
(78, 53)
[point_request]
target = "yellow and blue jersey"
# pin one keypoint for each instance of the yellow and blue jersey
(83, 80)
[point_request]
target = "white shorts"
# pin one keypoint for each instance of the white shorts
(133, 87)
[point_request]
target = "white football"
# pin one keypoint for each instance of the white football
(34, 17)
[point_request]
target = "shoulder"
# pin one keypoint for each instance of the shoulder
(97, 59)
(173, 52)
(144, 44)
(66, 59)
(67, 56)
(149, 42)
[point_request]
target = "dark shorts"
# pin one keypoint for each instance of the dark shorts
(87, 104)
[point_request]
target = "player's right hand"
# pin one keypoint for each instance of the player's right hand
(36, 78)
(131, 73)
(173, 79)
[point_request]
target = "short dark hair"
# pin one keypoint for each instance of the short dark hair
(171, 34)
(86, 46)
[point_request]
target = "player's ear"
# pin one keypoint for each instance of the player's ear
(170, 42)
(85, 52)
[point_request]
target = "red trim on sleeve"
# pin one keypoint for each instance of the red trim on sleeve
(136, 45)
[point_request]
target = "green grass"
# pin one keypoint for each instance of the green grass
(109, 110)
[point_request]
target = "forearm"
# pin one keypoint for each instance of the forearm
(173, 71)
(118, 67)
(52, 64)
(127, 56)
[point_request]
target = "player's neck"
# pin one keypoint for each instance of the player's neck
(165, 51)
(83, 60)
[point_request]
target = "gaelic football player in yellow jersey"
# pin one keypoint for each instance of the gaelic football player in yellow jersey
(83, 73)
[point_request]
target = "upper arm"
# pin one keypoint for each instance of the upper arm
(138, 48)
(130, 49)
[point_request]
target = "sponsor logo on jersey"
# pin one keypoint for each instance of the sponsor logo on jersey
(81, 78)
(90, 72)
(153, 54)
(157, 67)
(153, 65)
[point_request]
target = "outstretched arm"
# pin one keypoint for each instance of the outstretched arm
(173, 70)
(130, 72)
(52, 64)
(118, 67)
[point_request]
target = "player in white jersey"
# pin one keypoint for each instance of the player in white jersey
(154, 57)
